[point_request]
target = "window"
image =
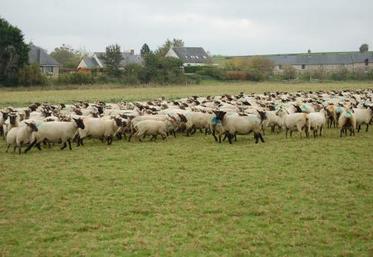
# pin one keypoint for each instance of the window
(366, 61)
(303, 66)
(280, 67)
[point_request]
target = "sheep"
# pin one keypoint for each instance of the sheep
(3, 118)
(294, 122)
(240, 125)
(150, 127)
(363, 116)
(102, 128)
(197, 120)
(216, 128)
(18, 136)
(10, 123)
(273, 121)
(332, 115)
(57, 132)
(172, 123)
(347, 120)
(316, 122)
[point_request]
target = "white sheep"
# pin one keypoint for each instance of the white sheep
(57, 132)
(152, 128)
(316, 122)
(19, 136)
(240, 125)
(363, 116)
(197, 120)
(293, 122)
(102, 128)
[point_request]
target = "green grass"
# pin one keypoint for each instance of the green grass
(115, 93)
(189, 196)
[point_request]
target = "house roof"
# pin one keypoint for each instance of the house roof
(320, 58)
(39, 56)
(90, 62)
(191, 54)
(128, 58)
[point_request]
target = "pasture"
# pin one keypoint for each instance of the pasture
(188, 196)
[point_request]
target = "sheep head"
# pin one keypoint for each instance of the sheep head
(32, 126)
(79, 122)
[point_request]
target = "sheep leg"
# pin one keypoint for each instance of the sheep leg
(174, 133)
(358, 129)
(19, 148)
(64, 146)
(15, 148)
(213, 134)
(31, 145)
(321, 128)
(256, 137)
(109, 140)
(7, 148)
(38, 146)
(366, 130)
(235, 137)
(68, 141)
(261, 137)
(219, 138)
(229, 135)
(130, 136)
(286, 133)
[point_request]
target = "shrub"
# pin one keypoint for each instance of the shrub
(193, 78)
(30, 75)
(78, 78)
(237, 75)
(256, 68)
(131, 74)
(319, 73)
(289, 72)
(212, 72)
(339, 74)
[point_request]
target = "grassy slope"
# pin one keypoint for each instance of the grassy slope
(191, 197)
(105, 93)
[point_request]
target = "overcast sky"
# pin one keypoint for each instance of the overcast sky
(234, 27)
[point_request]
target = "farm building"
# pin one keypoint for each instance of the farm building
(48, 65)
(96, 60)
(328, 61)
(190, 56)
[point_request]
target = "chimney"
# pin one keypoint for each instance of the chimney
(38, 52)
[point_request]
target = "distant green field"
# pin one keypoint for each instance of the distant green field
(188, 196)
(115, 93)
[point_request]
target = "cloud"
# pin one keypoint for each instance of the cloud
(222, 27)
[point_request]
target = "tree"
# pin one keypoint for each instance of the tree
(289, 72)
(112, 59)
(364, 48)
(160, 69)
(13, 52)
(67, 56)
(144, 50)
(162, 51)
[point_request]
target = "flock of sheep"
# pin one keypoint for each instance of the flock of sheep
(224, 117)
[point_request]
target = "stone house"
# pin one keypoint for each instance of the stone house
(190, 56)
(48, 65)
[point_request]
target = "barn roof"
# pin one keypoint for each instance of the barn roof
(320, 58)
(37, 55)
(191, 54)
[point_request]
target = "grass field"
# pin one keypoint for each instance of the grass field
(188, 196)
